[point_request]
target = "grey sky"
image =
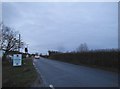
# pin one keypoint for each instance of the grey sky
(64, 26)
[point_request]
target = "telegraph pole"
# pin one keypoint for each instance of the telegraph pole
(19, 43)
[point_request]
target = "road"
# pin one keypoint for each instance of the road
(61, 74)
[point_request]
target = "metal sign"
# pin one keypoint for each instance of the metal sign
(17, 59)
(26, 50)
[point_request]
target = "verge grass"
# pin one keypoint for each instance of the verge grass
(20, 76)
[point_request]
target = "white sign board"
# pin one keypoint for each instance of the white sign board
(17, 59)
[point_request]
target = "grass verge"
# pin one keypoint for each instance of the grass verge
(22, 76)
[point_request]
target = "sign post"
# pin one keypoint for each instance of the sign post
(17, 59)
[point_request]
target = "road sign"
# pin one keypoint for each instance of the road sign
(26, 50)
(17, 59)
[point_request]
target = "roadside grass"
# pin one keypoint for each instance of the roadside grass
(21, 76)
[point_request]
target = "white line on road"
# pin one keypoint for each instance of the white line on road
(45, 83)
(51, 86)
(33, 64)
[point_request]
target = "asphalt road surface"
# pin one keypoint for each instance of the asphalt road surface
(61, 74)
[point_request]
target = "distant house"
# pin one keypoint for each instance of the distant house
(53, 52)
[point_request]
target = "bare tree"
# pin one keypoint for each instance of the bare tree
(9, 41)
(82, 48)
(0, 35)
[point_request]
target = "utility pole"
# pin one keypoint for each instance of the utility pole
(19, 43)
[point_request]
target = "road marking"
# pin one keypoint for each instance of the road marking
(51, 86)
(37, 69)
(35, 60)
(33, 64)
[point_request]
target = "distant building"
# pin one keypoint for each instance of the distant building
(53, 52)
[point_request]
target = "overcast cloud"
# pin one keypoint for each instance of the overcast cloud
(64, 26)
